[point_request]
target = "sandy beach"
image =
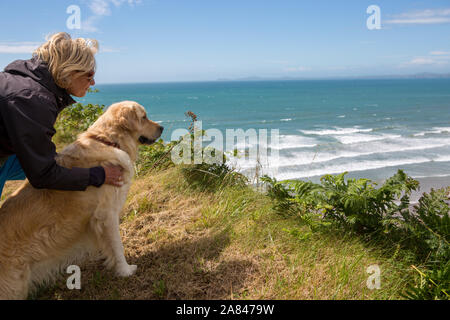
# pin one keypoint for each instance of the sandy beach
(426, 184)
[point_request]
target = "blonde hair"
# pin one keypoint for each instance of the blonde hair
(65, 55)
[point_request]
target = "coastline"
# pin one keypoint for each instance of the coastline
(426, 184)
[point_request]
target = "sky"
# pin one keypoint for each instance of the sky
(206, 40)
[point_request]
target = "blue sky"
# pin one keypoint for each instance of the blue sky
(198, 40)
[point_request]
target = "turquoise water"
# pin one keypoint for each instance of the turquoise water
(370, 128)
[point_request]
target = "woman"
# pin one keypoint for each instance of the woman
(32, 93)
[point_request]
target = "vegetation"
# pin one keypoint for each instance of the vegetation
(75, 119)
(201, 232)
(381, 214)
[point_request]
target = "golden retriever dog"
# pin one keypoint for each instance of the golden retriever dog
(43, 231)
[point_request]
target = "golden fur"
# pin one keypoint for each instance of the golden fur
(43, 231)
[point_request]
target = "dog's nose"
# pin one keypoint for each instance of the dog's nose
(161, 128)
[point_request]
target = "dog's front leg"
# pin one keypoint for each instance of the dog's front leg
(110, 243)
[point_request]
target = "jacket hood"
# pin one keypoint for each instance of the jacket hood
(37, 70)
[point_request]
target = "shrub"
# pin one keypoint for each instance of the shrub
(206, 176)
(430, 225)
(434, 284)
(156, 156)
(357, 204)
(291, 196)
(212, 177)
(74, 120)
(429, 231)
(383, 212)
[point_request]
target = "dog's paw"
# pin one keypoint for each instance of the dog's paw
(126, 270)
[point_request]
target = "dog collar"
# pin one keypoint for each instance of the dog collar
(108, 143)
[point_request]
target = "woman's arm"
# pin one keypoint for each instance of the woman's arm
(28, 118)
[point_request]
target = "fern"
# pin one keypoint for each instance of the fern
(358, 205)
(434, 284)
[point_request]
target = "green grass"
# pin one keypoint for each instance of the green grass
(333, 260)
(245, 250)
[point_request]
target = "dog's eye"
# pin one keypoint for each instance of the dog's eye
(144, 117)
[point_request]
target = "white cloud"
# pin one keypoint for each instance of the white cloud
(427, 13)
(434, 58)
(102, 8)
(29, 47)
(427, 16)
(424, 61)
(117, 3)
(88, 25)
(419, 21)
(440, 53)
(19, 47)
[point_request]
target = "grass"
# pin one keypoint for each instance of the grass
(229, 243)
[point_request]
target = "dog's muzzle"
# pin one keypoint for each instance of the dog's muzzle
(145, 140)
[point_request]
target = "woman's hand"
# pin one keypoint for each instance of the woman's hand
(113, 175)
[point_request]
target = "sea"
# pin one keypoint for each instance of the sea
(369, 128)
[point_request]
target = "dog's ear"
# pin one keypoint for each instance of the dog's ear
(128, 118)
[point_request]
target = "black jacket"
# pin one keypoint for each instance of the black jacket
(30, 101)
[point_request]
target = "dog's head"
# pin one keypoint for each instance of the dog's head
(132, 117)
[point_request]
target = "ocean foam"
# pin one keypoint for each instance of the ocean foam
(336, 131)
(285, 142)
(351, 167)
(434, 130)
(308, 158)
(356, 138)
(432, 176)
(384, 148)
(292, 142)
(442, 129)
(444, 158)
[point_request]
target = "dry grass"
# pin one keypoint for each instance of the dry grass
(228, 245)
(176, 259)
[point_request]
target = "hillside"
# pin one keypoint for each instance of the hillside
(230, 244)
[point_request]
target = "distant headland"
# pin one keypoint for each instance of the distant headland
(423, 75)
